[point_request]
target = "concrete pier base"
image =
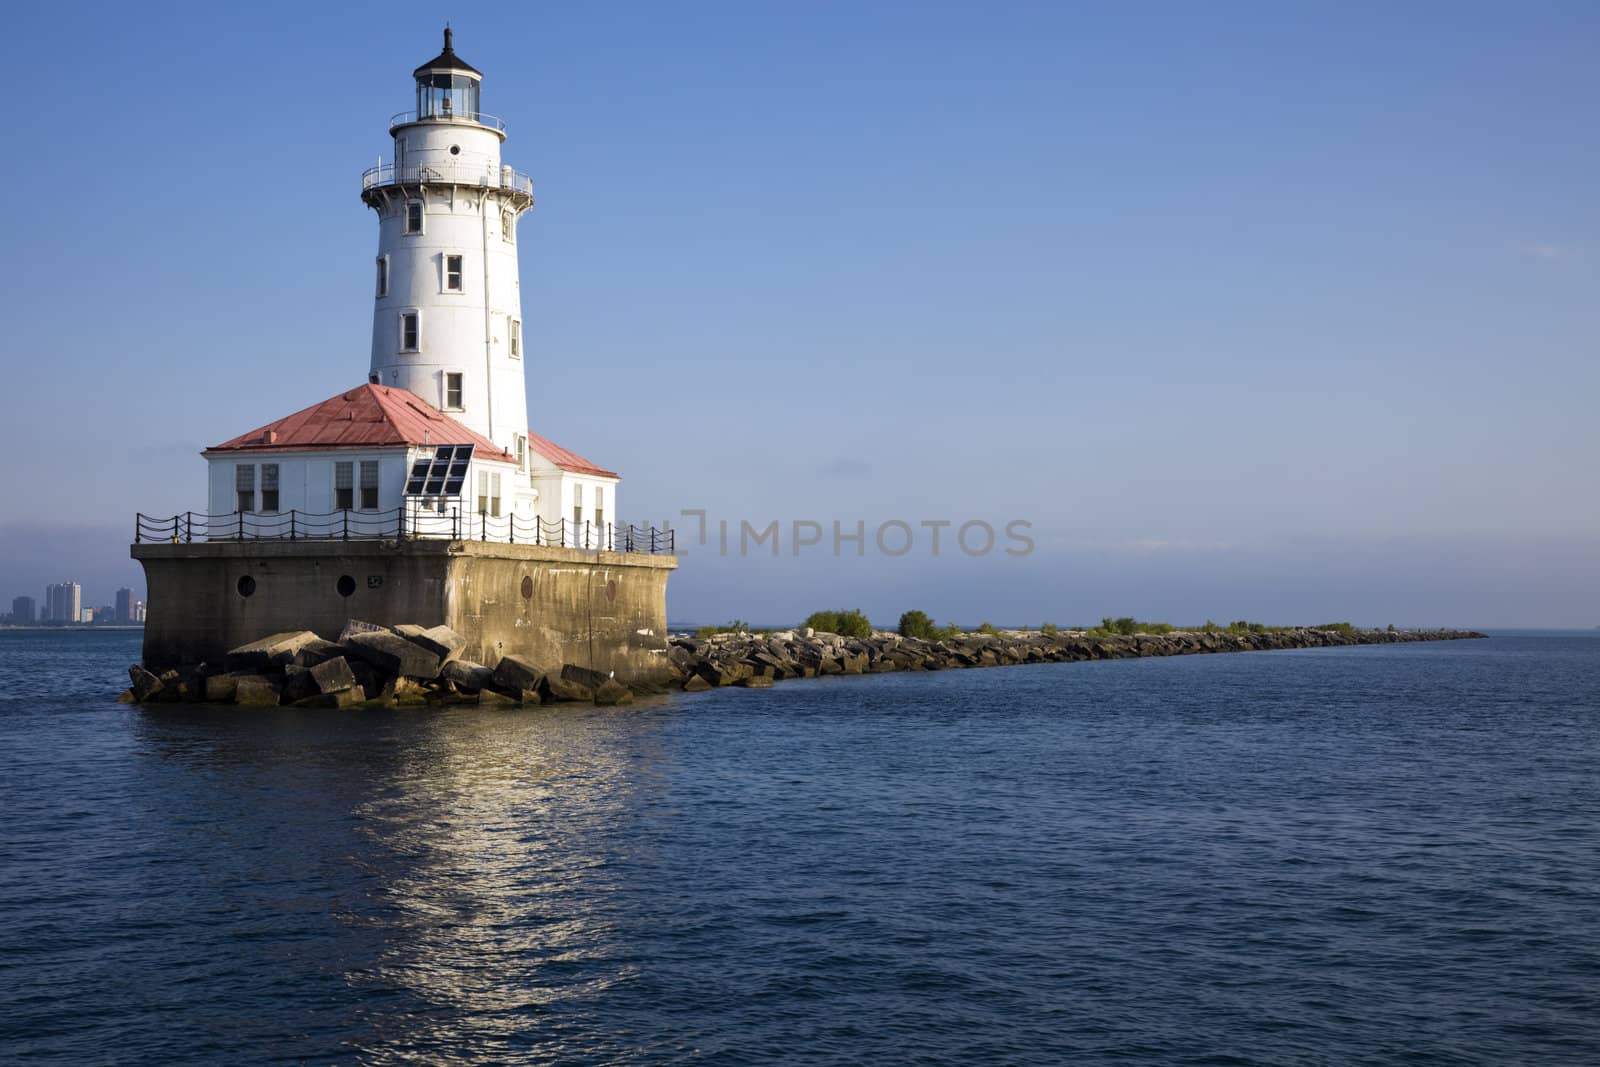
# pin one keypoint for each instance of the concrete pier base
(602, 610)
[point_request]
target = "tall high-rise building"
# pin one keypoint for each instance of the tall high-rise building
(63, 602)
(22, 610)
(125, 604)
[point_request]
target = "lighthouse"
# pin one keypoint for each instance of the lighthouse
(447, 302)
(437, 438)
(420, 494)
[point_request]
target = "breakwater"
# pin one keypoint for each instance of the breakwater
(382, 666)
(758, 660)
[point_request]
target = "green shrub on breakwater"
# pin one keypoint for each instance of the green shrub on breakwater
(850, 623)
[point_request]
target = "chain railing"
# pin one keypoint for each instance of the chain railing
(412, 522)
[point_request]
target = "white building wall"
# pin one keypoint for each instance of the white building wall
(306, 486)
(559, 491)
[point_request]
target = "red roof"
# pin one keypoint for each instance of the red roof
(368, 416)
(567, 461)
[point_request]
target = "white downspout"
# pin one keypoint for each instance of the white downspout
(488, 347)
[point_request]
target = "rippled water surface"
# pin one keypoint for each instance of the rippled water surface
(1369, 855)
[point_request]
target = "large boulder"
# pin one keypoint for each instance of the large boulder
(356, 626)
(611, 692)
(297, 684)
(514, 674)
(318, 651)
(466, 676)
(340, 698)
(274, 650)
(221, 687)
(393, 654)
(333, 676)
(172, 688)
(583, 675)
(440, 640)
(143, 684)
(557, 689)
(252, 690)
(717, 673)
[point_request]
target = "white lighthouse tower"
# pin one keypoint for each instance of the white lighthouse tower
(447, 305)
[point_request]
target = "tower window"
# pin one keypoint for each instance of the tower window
(369, 485)
(269, 487)
(244, 484)
(452, 274)
(413, 216)
(508, 227)
(522, 452)
(516, 338)
(343, 485)
(452, 390)
(383, 276)
(410, 331)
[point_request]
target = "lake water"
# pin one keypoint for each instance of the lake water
(1376, 855)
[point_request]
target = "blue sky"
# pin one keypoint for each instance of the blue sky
(1251, 310)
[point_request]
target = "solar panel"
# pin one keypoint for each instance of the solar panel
(443, 474)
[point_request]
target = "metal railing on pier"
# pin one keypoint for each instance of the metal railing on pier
(410, 523)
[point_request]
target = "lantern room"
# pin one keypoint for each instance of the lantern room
(448, 87)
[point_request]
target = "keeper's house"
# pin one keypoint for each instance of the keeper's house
(379, 459)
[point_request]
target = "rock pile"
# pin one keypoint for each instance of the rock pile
(381, 666)
(369, 665)
(758, 660)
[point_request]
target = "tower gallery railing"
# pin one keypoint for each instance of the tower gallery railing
(401, 524)
(447, 173)
(476, 118)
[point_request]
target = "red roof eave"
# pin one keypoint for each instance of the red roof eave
(566, 459)
(367, 417)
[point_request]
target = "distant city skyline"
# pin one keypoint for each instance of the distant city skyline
(1252, 311)
(63, 604)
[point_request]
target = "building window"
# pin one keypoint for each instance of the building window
(369, 485)
(489, 494)
(413, 216)
(383, 276)
(269, 487)
(600, 507)
(508, 227)
(516, 338)
(244, 484)
(577, 505)
(452, 274)
(452, 391)
(343, 486)
(410, 331)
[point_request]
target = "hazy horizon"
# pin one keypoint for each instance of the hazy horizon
(1249, 311)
